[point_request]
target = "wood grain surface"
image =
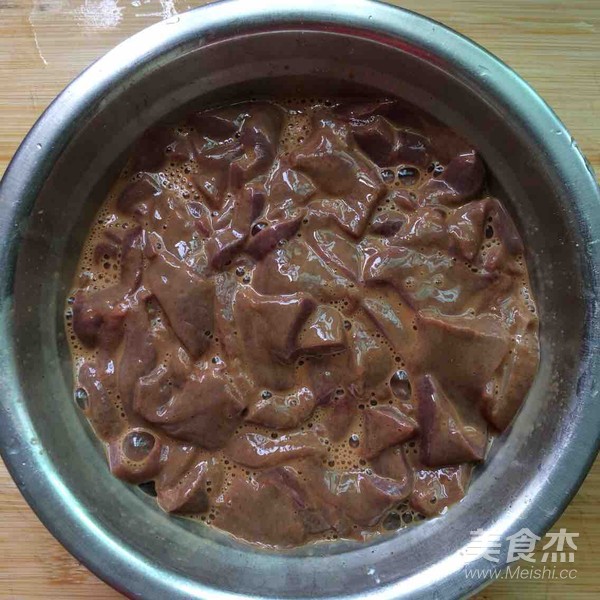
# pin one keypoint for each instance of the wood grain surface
(555, 45)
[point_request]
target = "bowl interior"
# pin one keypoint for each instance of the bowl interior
(117, 529)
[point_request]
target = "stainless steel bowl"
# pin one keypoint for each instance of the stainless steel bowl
(57, 180)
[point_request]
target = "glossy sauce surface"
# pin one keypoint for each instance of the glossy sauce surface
(302, 320)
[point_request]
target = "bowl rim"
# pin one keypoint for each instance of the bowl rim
(53, 131)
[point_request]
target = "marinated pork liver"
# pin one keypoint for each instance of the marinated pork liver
(302, 320)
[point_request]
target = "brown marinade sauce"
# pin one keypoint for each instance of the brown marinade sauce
(302, 320)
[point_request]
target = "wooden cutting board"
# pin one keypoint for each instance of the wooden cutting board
(554, 44)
